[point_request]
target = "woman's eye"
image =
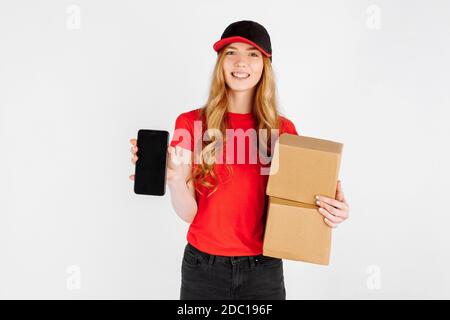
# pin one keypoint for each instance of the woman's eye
(253, 54)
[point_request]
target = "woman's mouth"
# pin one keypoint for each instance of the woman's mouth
(240, 75)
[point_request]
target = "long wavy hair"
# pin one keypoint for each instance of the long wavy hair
(213, 116)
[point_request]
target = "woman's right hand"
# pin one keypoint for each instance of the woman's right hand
(134, 157)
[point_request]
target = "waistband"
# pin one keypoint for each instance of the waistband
(210, 258)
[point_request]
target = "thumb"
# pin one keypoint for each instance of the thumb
(175, 155)
(339, 192)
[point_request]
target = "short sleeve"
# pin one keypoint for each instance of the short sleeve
(183, 133)
(288, 127)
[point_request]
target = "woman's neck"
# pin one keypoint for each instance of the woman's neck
(240, 101)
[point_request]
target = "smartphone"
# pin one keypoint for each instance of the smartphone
(151, 166)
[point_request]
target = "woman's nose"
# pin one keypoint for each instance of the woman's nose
(240, 62)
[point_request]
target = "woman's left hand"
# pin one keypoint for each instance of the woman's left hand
(336, 210)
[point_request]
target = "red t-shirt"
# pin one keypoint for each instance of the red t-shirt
(230, 221)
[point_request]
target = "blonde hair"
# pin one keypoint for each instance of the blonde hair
(213, 115)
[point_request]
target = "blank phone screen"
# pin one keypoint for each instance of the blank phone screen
(150, 174)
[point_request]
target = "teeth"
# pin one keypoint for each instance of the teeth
(241, 75)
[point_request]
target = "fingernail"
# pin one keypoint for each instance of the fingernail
(317, 197)
(318, 202)
(320, 209)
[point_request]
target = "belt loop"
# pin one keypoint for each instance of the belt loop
(252, 261)
(211, 259)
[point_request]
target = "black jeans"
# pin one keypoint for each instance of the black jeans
(205, 276)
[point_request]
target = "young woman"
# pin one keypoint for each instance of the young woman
(222, 197)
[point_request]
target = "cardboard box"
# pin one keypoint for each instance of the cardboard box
(296, 231)
(306, 167)
(301, 168)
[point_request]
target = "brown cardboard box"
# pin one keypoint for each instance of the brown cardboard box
(306, 167)
(296, 231)
(301, 168)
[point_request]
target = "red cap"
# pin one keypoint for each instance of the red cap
(249, 32)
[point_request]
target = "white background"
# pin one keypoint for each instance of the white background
(76, 83)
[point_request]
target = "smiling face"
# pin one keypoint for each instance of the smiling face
(243, 66)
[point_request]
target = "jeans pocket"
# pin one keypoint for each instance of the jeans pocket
(190, 258)
(266, 261)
